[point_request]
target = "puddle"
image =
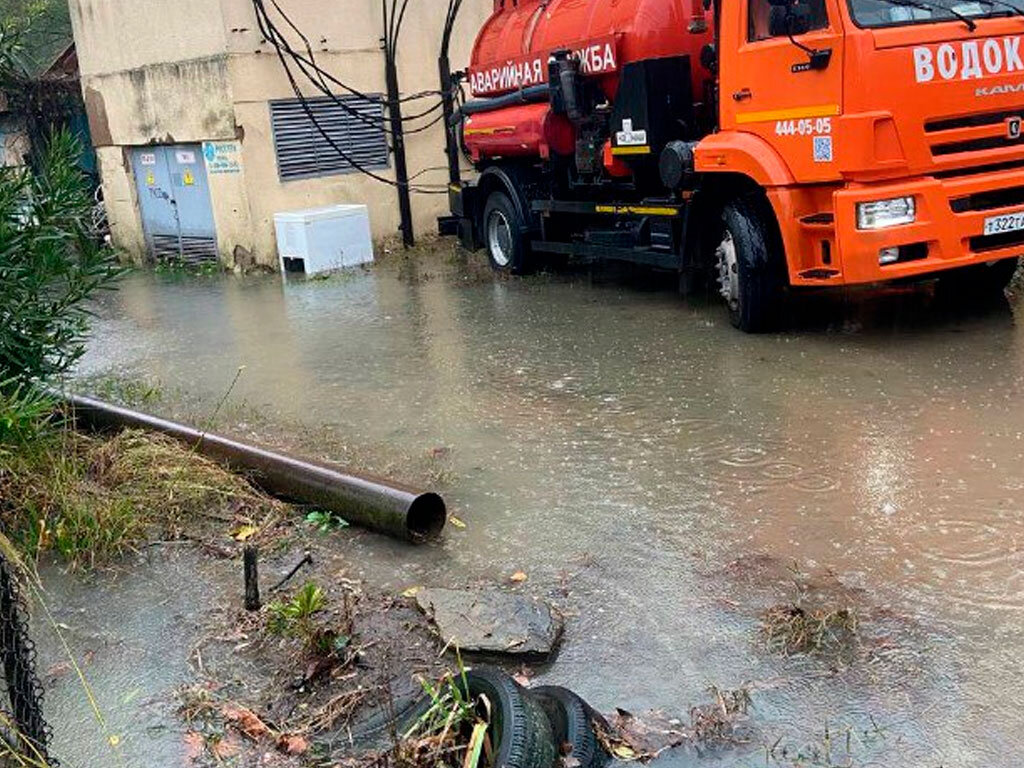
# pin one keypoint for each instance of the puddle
(131, 631)
(615, 442)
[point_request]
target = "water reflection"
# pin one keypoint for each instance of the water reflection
(623, 446)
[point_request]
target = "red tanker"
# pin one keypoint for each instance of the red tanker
(789, 144)
(513, 50)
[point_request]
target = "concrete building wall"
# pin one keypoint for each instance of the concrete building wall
(189, 71)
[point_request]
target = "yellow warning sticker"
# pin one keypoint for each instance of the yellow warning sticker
(188, 179)
(150, 179)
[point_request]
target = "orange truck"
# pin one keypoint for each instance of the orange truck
(756, 146)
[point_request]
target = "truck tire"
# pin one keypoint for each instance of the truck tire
(521, 733)
(572, 722)
(982, 281)
(503, 234)
(749, 273)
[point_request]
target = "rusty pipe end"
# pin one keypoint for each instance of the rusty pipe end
(426, 517)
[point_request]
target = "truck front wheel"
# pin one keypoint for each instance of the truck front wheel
(503, 231)
(748, 275)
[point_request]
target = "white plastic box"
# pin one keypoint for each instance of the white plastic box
(324, 239)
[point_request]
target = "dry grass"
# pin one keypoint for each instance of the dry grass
(715, 723)
(91, 499)
(642, 738)
(791, 629)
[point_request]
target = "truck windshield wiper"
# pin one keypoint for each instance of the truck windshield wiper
(928, 6)
(1016, 10)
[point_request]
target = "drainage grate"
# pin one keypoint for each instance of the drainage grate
(190, 250)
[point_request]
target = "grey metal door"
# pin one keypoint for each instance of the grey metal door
(174, 201)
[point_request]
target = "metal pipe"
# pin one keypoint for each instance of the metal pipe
(414, 517)
(529, 95)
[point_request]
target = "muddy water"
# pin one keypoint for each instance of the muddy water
(665, 478)
(131, 631)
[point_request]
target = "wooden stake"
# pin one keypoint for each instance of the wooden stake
(252, 579)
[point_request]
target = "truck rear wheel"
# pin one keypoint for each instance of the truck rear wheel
(503, 232)
(982, 281)
(749, 277)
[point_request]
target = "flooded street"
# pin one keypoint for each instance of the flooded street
(663, 478)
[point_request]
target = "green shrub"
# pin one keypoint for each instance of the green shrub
(51, 263)
(24, 413)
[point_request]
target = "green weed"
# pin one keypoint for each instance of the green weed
(453, 732)
(295, 617)
(325, 522)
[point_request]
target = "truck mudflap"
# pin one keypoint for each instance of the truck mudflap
(461, 223)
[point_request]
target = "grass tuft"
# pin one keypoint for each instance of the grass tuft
(791, 629)
(91, 499)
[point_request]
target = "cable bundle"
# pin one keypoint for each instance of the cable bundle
(303, 64)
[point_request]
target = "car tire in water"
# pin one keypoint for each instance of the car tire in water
(981, 281)
(504, 236)
(521, 734)
(748, 267)
(572, 721)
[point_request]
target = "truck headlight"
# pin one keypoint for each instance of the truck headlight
(879, 214)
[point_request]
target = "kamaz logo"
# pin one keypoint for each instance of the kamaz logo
(999, 90)
(971, 59)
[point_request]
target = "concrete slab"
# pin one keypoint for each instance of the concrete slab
(492, 621)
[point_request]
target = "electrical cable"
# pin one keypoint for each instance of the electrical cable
(274, 40)
(317, 75)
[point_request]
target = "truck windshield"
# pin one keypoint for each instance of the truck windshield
(890, 13)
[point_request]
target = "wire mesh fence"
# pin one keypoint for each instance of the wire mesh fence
(24, 733)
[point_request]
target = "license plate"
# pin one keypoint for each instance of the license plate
(1008, 222)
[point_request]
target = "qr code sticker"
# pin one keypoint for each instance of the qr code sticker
(823, 149)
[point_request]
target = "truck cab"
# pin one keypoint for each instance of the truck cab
(898, 152)
(825, 143)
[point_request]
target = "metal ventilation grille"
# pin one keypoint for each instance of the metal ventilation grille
(190, 250)
(302, 150)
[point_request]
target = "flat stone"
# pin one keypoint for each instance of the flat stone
(492, 621)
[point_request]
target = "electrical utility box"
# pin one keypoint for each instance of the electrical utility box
(324, 239)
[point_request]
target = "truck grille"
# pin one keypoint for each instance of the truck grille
(974, 145)
(983, 243)
(988, 200)
(971, 133)
(971, 121)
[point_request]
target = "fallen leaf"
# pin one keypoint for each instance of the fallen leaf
(59, 669)
(292, 744)
(411, 592)
(519, 577)
(194, 746)
(456, 522)
(226, 748)
(246, 721)
(624, 753)
(245, 532)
